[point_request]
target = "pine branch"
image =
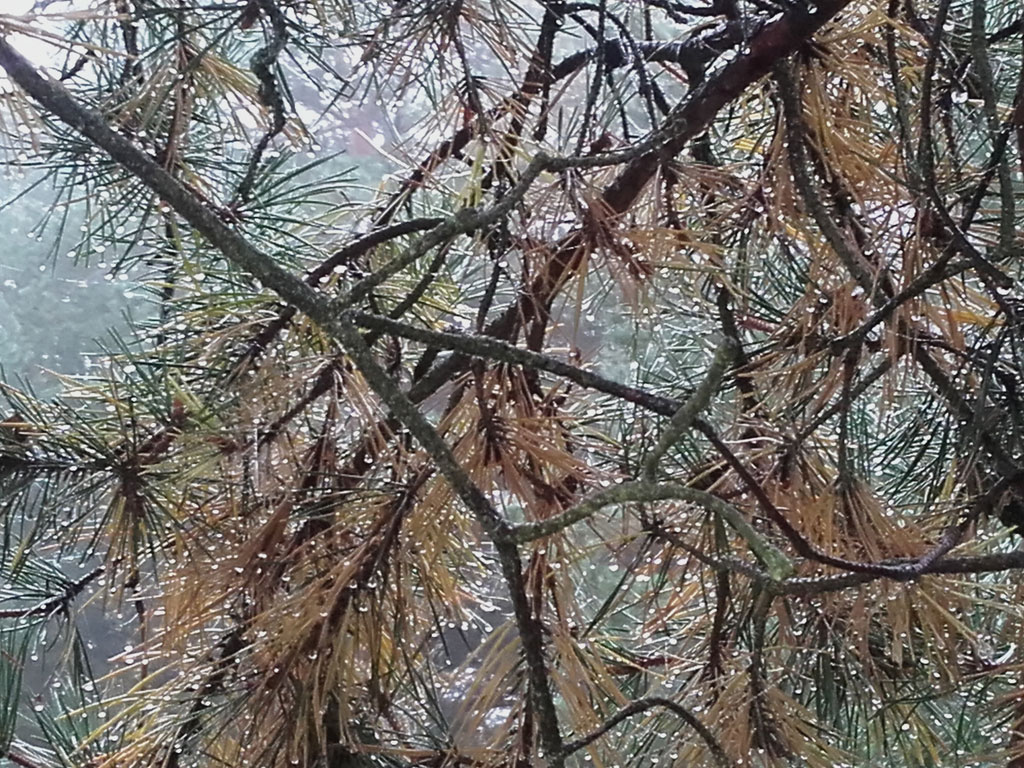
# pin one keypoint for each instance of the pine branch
(682, 420)
(777, 564)
(57, 602)
(642, 705)
(489, 348)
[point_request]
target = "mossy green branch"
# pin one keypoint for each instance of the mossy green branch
(774, 561)
(683, 419)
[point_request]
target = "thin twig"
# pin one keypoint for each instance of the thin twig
(775, 561)
(264, 62)
(642, 705)
(489, 348)
(56, 602)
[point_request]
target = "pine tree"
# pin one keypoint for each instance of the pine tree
(524, 384)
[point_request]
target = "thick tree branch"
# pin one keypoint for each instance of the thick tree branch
(772, 44)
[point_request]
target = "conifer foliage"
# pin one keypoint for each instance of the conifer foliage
(524, 384)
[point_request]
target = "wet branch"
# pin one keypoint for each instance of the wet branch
(56, 602)
(776, 562)
(642, 705)
(683, 418)
(490, 348)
